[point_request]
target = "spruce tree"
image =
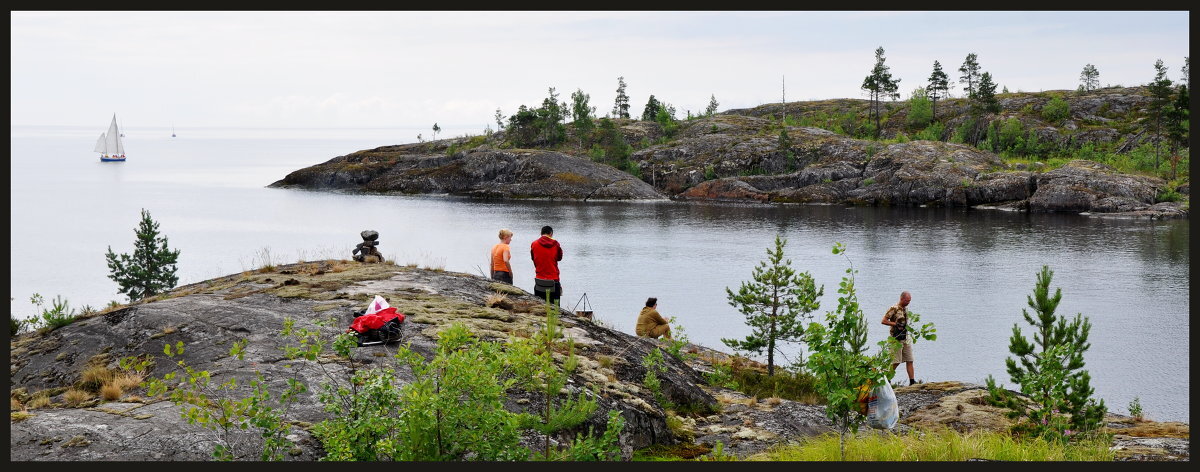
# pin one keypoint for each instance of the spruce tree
(1160, 104)
(651, 111)
(970, 74)
(776, 304)
(878, 84)
(621, 107)
(985, 94)
(939, 87)
(1053, 377)
(712, 105)
(150, 270)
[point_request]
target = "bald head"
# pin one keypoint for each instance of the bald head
(905, 297)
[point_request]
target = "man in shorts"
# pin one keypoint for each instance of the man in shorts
(897, 318)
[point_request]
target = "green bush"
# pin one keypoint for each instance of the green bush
(58, 315)
(1056, 110)
(920, 110)
(933, 132)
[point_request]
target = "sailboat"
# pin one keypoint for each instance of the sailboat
(109, 144)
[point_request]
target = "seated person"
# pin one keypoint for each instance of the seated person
(652, 324)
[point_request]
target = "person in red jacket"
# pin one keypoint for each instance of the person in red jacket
(546, 252)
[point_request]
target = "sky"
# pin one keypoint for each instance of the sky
(413, 69)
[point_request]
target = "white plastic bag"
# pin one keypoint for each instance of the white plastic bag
(882, 408)
(377, 305)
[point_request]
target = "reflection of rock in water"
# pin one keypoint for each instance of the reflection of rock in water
(366, 251)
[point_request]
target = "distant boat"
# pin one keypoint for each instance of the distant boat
(109, 144)
(172, 131)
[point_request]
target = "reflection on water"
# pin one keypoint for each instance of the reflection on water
(969, 271)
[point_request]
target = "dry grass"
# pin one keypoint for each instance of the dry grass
(76, 396)
(19, 416)
(14, 404)
(774, 401)
(39, 400)
(605, 361)
(95, 376)
(1153, 429)
(965, 411)
(110, 392)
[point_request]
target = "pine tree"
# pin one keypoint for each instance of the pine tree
(1053, 378)
(499, 120)
(939, 87)
(880, 84)
(712, 105)
(436, 129)
(651, 110)
(1160, 104)
(1178, 118)
(985, 94)
(621, 107)
(775, 304)
(1090, 78)
(151, 268)
(970, 74)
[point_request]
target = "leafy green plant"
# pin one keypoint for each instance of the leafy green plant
(1056, 110)
(678, 341)
(150, 270)
(868, 181)
(216, 408)
(839, 360)
(653, 362)
(58, 315)
(1135, 409)
(1167, 194)
(710, 173)
(920, 109)
(776, 302)
(1053, 378)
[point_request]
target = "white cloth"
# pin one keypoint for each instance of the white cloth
(377, 305)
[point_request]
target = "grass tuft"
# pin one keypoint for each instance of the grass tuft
(74, 396)
(939, 445)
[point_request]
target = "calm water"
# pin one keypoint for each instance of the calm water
(969, 271)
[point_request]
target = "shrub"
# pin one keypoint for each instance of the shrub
(58, 315)
(1135, 409)
(1167, 194)
(920, 110)
(1056, 110)
(933, 132)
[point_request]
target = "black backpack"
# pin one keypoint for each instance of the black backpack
(391, 331)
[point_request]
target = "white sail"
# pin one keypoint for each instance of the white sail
(101, 145)
(113, 139)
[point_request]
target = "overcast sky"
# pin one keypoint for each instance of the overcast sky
(412, 69)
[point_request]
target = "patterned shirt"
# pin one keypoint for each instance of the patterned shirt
(899, 314)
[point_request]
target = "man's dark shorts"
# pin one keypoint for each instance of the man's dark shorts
(502, 276)
(554, 295)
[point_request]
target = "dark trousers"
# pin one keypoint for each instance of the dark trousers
(502, 276)
(554, 295)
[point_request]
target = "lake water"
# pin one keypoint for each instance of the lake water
(969, 271)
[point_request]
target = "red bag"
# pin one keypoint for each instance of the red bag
(366, 323)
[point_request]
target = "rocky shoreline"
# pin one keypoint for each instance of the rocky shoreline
(736, 156)
(208, 317)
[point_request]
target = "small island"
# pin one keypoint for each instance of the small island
(1040, 152)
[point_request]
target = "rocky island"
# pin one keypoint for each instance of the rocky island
(60, 412)
(787, 153)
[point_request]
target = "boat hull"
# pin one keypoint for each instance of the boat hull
(112, 159)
